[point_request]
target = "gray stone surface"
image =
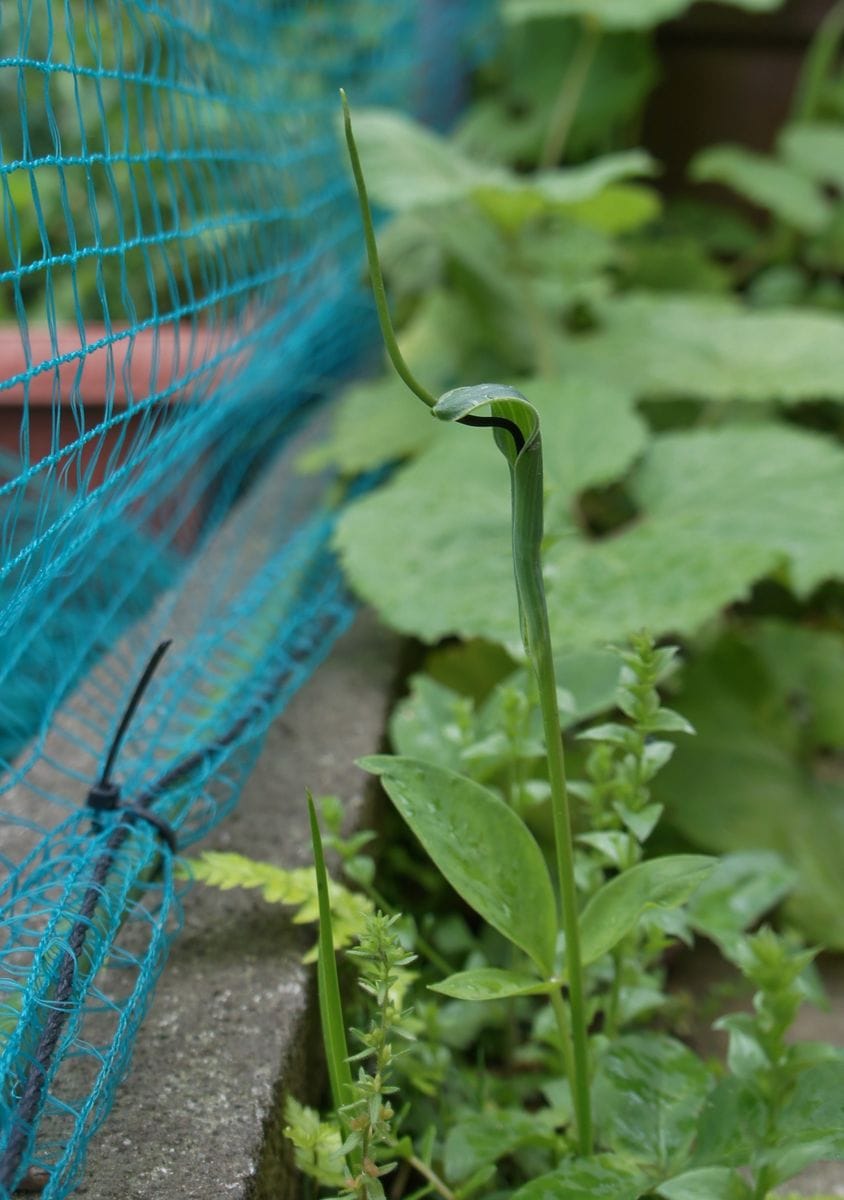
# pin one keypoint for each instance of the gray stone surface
(198, 1117)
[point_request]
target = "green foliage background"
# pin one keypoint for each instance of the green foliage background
(687, 360)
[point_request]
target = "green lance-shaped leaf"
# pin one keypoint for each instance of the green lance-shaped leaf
(330, 1003)
(491, 983)
(484, 850)
(658, 883)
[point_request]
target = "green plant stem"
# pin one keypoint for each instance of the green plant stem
(611, 1022)
(378, 289)
(433, 1178)
(564, 1027)
(527, 500)
(818, 63)
(568, 97)
(568, 892)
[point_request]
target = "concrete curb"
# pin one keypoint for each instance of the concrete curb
(231, 1027)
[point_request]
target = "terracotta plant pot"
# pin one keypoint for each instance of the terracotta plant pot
(74, 405)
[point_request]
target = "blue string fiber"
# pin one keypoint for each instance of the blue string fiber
(180, 268)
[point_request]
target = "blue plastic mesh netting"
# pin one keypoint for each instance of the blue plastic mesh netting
(179, 269)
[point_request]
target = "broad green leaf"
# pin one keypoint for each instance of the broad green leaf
(767, 486)
(510, 125)
(711, 348)
(741, 784)
(616, 908)
(603, 1177)
(810, 1124)
(615, 14)
(771, 184)
(741, 888)
(619, 208)
(816, 149)
(648, 1094)
(409, 167)
(429, 544)
(484, 1137)
(448, 574)
(484, 850)
(427, 723)
(373, 424)
(490, 983)
(721, 509)
(732, 1124)
(706, 1183)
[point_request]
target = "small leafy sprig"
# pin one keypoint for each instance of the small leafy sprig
(380, 957)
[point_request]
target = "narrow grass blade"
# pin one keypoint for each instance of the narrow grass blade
(330, 1004)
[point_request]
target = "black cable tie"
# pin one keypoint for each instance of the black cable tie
(103, 797)
(134, 700)
(133, 812)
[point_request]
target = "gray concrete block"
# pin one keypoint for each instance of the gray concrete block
(232, 1022)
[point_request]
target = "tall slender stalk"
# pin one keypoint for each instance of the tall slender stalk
(527, 502)
(516, 429)
(568, 97)
(818, 64)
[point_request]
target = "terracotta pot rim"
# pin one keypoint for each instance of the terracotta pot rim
(122, 365)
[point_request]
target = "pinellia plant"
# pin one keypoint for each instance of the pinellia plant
(665, 1125)
(516, 430)
(536, 1072)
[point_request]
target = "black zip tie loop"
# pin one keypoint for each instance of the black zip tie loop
(134, 812)
(104, 796)
(134, 700)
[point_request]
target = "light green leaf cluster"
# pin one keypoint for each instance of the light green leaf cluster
(318, 1144)
(817, 149)
(720, 509)
(294, 886)
(753, 777)
(711, 348)
(614, 14)
(408, 167)
(777, 186)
